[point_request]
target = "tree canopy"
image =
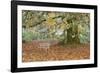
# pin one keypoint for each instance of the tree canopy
(67, 27)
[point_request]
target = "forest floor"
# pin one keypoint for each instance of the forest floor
(58, 52)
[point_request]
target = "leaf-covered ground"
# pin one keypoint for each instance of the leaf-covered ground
(32, 53)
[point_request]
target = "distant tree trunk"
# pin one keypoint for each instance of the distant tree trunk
(69, 35)
(65, 36)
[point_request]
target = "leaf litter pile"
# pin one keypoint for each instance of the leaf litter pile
(31, 52)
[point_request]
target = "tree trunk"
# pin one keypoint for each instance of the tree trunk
(72, 35)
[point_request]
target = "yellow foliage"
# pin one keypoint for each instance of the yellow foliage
(50, 21)
(63, 26)
(51, 14)
(65, 21)
(29, 22)
(80, 29)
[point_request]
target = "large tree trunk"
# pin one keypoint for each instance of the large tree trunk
(72, 35)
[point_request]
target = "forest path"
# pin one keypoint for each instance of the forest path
(57, 52)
